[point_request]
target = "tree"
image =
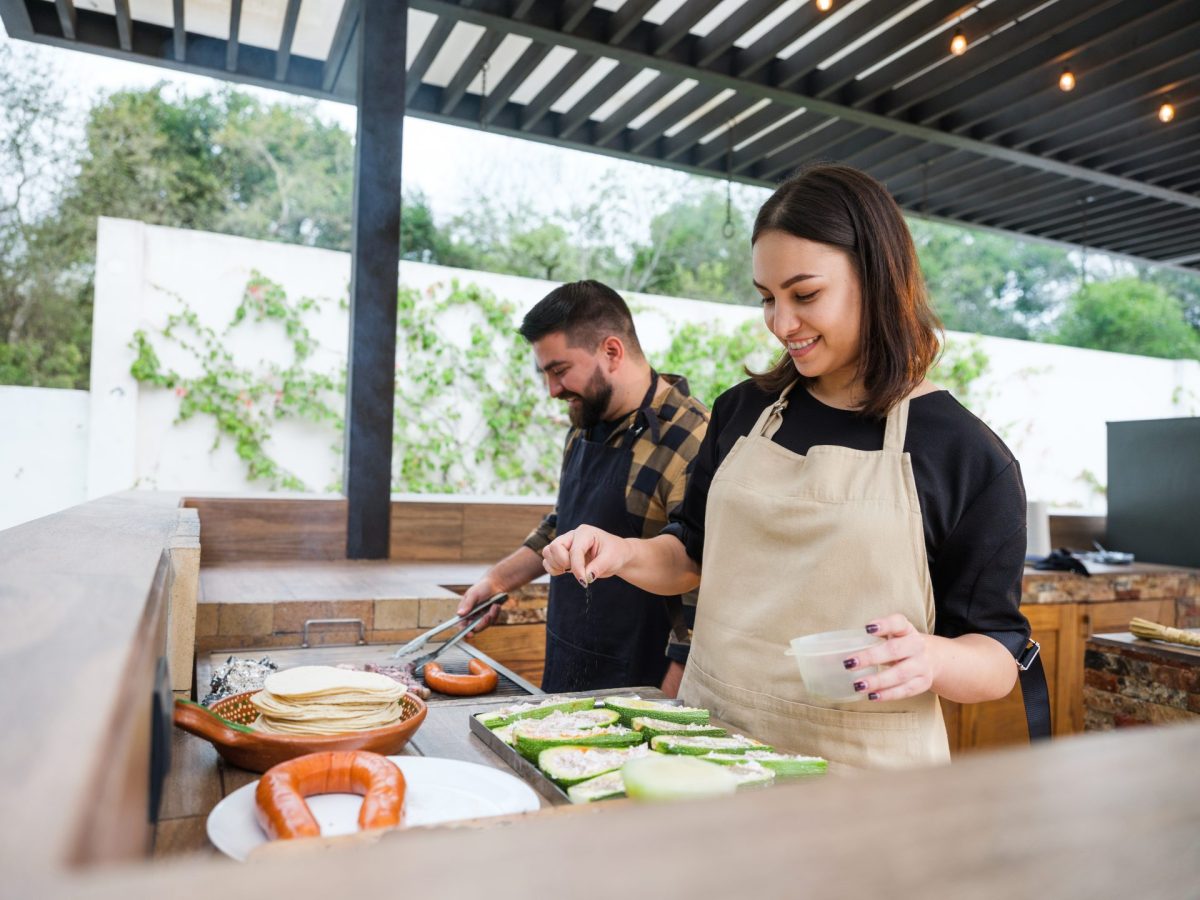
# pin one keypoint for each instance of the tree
(44, 304)
(1127, 315)
(990, 284)
(689, 255)
(1183, 286)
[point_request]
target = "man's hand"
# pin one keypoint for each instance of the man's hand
(476, 594)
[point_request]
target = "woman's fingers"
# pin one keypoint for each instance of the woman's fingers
(556, 557)
(587, 553)
(582, 550)
(891, 650)
(905, 668)
(905, 679)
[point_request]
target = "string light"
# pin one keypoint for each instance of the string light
(1066, 81)
(1166, 112)
(824, 5)
(958, 43)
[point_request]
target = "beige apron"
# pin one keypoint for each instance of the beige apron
(799, 544)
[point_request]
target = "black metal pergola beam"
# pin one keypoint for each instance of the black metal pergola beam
(340, 45)
(290, 17)
(1099, 68)
(124, 25)
(525, 65)
(179, 34)
(204, 55)
(650, 133)
(931, 50)
(235, 26)
(590, 37)
(616, 79)
(470, 67)
(539, 106)
(66, 17)
(375, 261)
(658, 88)
(802, 65)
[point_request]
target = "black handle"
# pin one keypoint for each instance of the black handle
(162, 705)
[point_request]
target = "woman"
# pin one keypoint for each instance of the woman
(839, 489)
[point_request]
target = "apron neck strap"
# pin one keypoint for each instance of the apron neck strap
(646, 410)
(897, 427)
(772, 417)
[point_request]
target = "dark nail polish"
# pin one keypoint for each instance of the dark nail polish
(860, 686)
(872, 696)
(582, 583)
(850, 663)
(871, 629)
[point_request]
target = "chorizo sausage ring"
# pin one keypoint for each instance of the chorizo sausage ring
(482, 680)
(279, 799)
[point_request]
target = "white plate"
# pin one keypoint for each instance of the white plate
(437, 790)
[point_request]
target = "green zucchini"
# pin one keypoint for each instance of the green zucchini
(784, 765)
(572, 764)
(658, 777)
(630, 707)
(652, 728)
(509, 714)
(751, 774)
(532, 742)
(610, 784)
(697, 746)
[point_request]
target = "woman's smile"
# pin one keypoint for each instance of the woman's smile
(800, 349)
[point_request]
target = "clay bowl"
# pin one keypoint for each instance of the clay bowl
(258, 752)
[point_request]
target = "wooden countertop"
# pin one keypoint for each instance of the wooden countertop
(1125, 641)
(1101, 815)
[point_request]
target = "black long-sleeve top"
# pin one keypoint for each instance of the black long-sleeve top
(968, 483)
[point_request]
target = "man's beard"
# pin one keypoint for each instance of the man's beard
(594, 402)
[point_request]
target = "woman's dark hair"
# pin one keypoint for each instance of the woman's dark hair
(587, 312)
(848, 209)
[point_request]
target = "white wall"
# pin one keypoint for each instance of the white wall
(43, 452)
(1049, 403)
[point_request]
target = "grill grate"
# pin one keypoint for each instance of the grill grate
(454, 660)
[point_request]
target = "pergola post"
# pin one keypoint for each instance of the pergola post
(375, 260)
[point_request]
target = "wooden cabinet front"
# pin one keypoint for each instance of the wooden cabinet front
(1061, 629)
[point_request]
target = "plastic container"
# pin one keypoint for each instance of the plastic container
(820, 659)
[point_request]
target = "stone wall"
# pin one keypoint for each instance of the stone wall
(1129, 682)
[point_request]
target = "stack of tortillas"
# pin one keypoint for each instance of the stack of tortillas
(326, 700)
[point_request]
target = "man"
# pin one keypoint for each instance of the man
(633, 436)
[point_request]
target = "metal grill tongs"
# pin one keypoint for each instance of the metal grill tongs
(475, 615)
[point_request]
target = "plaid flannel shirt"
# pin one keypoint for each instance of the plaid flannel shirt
(658, 476)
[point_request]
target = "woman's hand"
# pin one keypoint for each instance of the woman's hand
(587, 553)
(910, 667)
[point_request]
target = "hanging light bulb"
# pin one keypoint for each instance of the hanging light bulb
(1166, 112)
(958, 43)
(1066, 81)
(824, 5)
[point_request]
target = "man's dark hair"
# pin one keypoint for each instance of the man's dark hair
(586, 312)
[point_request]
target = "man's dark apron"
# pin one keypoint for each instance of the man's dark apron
(618, 636)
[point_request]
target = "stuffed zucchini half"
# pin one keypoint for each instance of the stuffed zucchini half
(610, 784)
(570, 765)
(698, 746)
(784, 765)
(530, 741)
(631, 707)
(507, 715)
(652, 728)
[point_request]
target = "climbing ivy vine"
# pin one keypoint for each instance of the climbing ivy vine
(471, 414)
(471, 411)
